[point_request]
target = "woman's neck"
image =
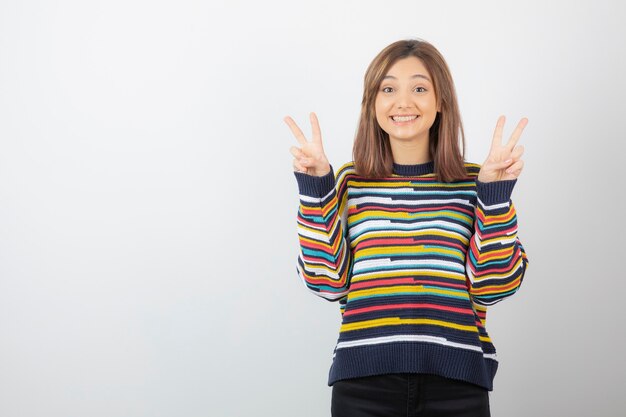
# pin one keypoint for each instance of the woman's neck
(410, 153)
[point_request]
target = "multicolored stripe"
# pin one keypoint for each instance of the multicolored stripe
(414, 263)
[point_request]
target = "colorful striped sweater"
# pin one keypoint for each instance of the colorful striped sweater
(414, 263)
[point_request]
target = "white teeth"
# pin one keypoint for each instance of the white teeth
(403, 118)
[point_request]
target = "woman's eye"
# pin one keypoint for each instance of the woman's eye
(390, 89)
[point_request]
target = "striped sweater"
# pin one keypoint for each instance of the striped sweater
(414, 263)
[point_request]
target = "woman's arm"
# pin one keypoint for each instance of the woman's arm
(325, 258)
(496, 260)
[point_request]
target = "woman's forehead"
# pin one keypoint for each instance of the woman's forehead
(408, 68)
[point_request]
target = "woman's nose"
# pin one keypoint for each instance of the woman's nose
(403, 100)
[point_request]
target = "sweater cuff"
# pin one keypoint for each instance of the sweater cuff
(495, 192)
(312, 186)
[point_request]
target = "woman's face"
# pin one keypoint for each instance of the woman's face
(406, 105)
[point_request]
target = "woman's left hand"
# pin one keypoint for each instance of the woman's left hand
(504, 161)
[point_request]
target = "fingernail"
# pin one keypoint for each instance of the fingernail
(507, 161)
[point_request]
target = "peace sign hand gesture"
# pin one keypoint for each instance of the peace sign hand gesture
(309, 158)
(504, 161)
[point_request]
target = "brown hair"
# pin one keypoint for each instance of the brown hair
(372, 150)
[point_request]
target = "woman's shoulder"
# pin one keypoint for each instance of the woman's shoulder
(472, 169)
(346, 170)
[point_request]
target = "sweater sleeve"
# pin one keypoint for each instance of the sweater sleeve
(325, 258)
(496, 261)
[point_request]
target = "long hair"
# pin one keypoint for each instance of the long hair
(372, 150)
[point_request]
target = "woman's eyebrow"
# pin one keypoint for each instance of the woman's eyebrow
(413, 76)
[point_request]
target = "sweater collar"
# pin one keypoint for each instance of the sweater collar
(414, 170)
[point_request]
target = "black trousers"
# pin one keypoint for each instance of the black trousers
(408, 395)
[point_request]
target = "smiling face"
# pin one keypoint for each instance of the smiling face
(406, 104)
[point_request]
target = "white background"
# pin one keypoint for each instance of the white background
(147, 201)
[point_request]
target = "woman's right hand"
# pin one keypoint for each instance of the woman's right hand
(309, 158)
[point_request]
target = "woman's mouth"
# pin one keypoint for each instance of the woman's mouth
(404, 119)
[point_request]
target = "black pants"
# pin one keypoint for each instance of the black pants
(408, 395)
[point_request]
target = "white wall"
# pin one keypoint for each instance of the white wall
(147, 204)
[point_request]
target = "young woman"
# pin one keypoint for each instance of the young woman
(412, 241)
